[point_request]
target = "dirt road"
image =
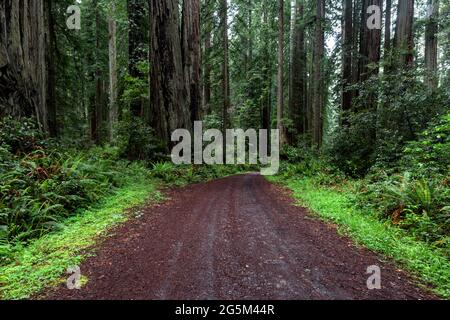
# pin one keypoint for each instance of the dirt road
(235, 238)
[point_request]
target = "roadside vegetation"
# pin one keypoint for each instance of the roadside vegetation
(401, 210)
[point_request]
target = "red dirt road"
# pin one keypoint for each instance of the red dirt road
(235, 238)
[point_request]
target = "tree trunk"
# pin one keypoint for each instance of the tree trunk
(26, 66)
(347, 43)
(113, 93)
(357, 7)
(310, 88)
(431, 44)
(370, 46)
(387, 28)
(297, 101)
(404, 38)
(388, 38)
(191, 54)
(97, 112)
(225, 67)
(280, 78)
(249, 53)
(207, 67)
(51, 85)
(170, 108)
(319, 48)
(265, 99)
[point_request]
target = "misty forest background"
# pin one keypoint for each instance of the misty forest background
(87, 113)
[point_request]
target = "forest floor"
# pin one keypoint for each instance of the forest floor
(235, 238)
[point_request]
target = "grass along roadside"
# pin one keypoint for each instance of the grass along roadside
(427, 264)
(41, 264)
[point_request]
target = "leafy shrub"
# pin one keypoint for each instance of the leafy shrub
(136, 88)
(137, 141)
(415, 204)
(20, 136)
(352, 147)
(375, 134)
(41, 185)
(430, 154)
(304, 161)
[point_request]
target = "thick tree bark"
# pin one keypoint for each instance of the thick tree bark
(113, 93)
(319, 48)
(280, 78)
(404, 38)
(298, 95)
(431, 44)
(170, 108)
(347, 48)
(191, 54)
(370, 44)
(26, 66)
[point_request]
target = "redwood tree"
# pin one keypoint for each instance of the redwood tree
(370, 44)
(431, 44)
(191, 54)
(26, 64)
(297, 100)
(347, 48)
(404, 38)
(170, 108)
(319, 49)
(280, 78)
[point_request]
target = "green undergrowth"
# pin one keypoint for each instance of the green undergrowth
(429, 264)
(41, 264)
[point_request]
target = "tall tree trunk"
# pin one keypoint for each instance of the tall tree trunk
(26, 66)
(249, 53)
(370, 46)
(170, 108)
(50, 59)
(310, 87)
(225, 67)
(388, 38)
(97, 112)
(280, 78)
(404, 38)
(113, 93)
(298, 94)
(387, 28)
(207, 65)
(431, 44)
(347, 43)
(319, 48)
(191, 54)
(265, 99)
(137, 16)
